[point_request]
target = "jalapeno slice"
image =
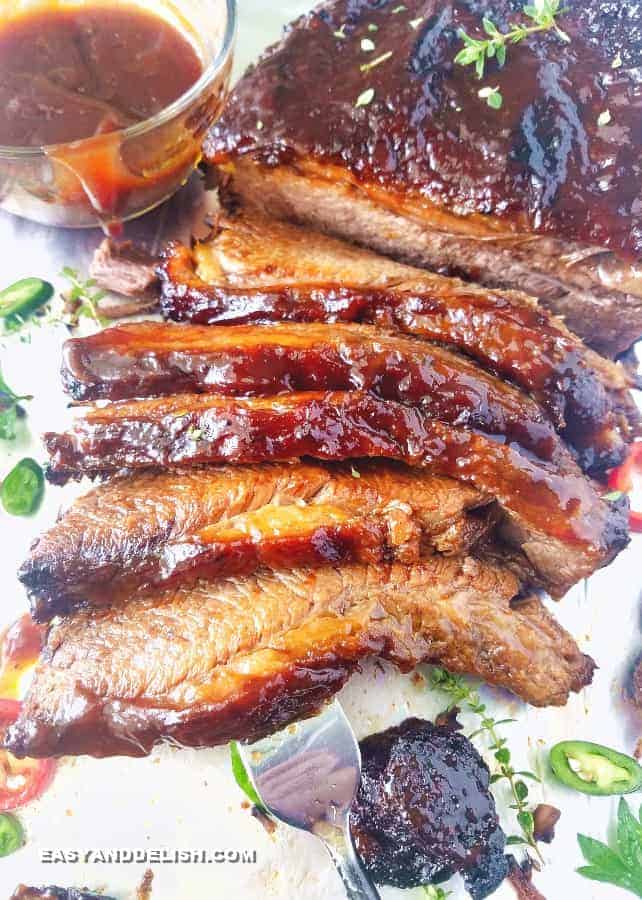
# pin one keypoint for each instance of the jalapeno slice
(594, 769)
(22, 490)
(22, 299)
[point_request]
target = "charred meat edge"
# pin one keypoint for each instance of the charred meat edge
(241, 658)
(175, 527)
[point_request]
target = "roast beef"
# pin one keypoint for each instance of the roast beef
(255, 269)
(542, 195)
(241, 658)
(153, 528)
(148, 358)
(554, 516)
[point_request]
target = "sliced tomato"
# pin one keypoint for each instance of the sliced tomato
(9, 712)
(623, 479)
(21, 780)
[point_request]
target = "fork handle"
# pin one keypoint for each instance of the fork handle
(356, 880)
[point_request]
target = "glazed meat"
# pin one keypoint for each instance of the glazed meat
(424, 810)
(556, 518)
(260, 270)
(542, 194)
(149, 358)
(241, 658)
(153, 528)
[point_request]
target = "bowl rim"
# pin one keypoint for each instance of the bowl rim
(208, 75)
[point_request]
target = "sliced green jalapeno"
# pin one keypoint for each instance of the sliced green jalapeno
(22, 299)
(594, 769)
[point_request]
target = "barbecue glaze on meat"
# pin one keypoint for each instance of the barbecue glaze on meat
(240, 658)
(424, 810)
(258, 270)
(556, 517)
(159, 527)
(538, 195)
(148, 359)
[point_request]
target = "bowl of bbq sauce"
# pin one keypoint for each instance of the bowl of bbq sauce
(104, 103)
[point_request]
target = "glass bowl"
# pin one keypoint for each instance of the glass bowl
(110, 178)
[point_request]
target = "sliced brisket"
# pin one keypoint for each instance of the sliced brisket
(154, 528)
(241, 658)
(540, 195)
(259, 270)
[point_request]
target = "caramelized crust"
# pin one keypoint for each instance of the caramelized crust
(541, 194)
(238, 659)
(148, 358)
(555, 517)
(154, 528)
(257, 270)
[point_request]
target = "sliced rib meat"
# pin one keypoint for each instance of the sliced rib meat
(258, 270)
(241, 658)
(153, 528)
(540, 195)
(555, 517)
(149, 358)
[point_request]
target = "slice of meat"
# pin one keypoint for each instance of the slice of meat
(260, 270)
(424, 810)
(126, 269)
(556, 518)
(156, 527)
(240, 658)
(541, 195)
(150, 358)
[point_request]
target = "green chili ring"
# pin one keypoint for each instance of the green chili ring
(22, 299)
(597, 770)
(22, 490)
(12, 836)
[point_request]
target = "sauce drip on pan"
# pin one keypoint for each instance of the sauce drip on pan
(69, 74)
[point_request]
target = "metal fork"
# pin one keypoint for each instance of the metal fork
(307, 776)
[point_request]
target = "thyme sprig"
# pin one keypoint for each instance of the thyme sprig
(433, 892)
(82, 299)
(477, 53)
(467, 697)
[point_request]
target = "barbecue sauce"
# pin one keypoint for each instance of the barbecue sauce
(70, 74)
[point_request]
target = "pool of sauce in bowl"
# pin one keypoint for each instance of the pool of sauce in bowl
(70, 74)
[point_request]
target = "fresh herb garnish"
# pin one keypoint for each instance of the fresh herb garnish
(435, 893)
(492, 96)
(365, 67)
(82, 299)
(415, 23)
(23, 488)
(622, 865)
(398, 9)
(477, 52)
(617, 61)
(613, 496)
(367, 45)
(340, 33)
(464, 695)
(242, 778)
(9, 410)
(604, 118)
(12, 836)
(372, 27)
(365, 99)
